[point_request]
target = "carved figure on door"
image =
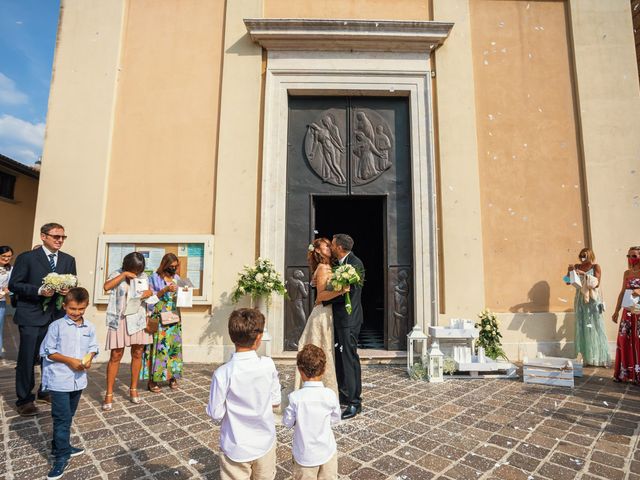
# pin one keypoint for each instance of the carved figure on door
(324, 143)
(383, 144)
(298, 291)
(400, 306)
(365, 150)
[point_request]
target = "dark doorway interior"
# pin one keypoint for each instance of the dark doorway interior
(362, 217)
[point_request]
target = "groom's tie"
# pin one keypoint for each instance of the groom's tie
(52, 261)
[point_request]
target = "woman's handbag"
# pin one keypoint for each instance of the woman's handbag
(152, 324)
(169, 318)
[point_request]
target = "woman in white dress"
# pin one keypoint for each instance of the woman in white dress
(319, 328)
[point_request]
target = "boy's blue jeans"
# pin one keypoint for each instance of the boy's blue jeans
(63, 408)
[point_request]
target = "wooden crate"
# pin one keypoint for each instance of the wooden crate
(577, 364)
(557, 372)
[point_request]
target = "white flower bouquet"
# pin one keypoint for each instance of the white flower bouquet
(489, 335)
(58, 282)
(258, 281)
(343, 276)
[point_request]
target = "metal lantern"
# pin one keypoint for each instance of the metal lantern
(415, 335)
(435, 359)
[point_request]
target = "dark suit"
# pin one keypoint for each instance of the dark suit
(26, 279)
(346, 331)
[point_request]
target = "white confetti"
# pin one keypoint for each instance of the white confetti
(605, 404)
(193, 461)
(563, 300)
(589, 325)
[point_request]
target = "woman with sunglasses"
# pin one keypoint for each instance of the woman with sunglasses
(627, 366)
(162, 361)
(590, 339)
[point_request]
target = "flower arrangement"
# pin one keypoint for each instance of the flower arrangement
(490, 335)
(58, 282)
(449, 366)
(418, 372)
(258, 281)
(343, 276)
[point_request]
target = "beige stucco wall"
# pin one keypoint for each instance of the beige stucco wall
(166, 118)
(238, 188)
(607, 85)
(352, 9)
(18, 214)
(460, 245)
(78, 135)
(532, 217)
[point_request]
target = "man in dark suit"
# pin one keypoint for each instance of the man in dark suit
(346, 331)
(32, 320)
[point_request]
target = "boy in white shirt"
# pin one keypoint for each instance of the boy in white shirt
(243, 393)
(312, 411)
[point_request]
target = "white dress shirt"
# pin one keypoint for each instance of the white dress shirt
(312, 409)
(48, 252)
(70, 339)
(341, 260)
(243, 392)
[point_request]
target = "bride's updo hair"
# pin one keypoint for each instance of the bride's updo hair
(315, 258)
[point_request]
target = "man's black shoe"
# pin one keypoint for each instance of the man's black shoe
(27, 410)
(351, 411)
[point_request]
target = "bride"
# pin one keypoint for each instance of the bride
(319, 328)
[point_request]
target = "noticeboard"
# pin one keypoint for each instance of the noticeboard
(194, 252)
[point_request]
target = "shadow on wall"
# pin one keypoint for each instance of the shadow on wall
(541, 328)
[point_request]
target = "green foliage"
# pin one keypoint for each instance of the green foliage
(449, 366)
(259, 281)
(418, 372)
(490, 335)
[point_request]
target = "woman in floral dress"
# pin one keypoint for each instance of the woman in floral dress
(627, 366)
(162, 360)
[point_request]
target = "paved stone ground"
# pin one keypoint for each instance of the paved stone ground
(462, 429)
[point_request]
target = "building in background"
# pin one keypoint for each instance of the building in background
(471, 147)
(18, 194)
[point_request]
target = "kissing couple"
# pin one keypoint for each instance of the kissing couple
(330, 327)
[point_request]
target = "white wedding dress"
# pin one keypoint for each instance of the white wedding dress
(319, 332)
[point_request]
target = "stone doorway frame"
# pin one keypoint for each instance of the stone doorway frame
(345, 57)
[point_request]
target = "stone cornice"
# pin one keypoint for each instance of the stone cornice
(347, 35)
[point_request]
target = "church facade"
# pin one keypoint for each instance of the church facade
(470, 147)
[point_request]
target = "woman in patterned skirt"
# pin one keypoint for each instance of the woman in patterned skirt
(125, 330)
(627, 366)
(162, 359)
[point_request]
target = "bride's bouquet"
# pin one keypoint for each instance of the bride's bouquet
(58, 282)
(343, 276)
(258, 281)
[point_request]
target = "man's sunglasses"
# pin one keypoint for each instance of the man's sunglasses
(57, 237)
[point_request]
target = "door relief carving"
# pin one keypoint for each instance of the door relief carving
(327, 155)
(372, 147)
(325, 150)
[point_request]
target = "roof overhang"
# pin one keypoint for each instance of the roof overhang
(347, 35)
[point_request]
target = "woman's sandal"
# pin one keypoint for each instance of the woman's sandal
(153, 387)
(133, 399)
(173, 383)
(107, 407)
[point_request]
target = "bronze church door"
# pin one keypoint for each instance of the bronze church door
(349, 171)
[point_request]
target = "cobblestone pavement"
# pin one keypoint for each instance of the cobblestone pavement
(462, 429)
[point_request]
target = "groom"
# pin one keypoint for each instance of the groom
(346, 331)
